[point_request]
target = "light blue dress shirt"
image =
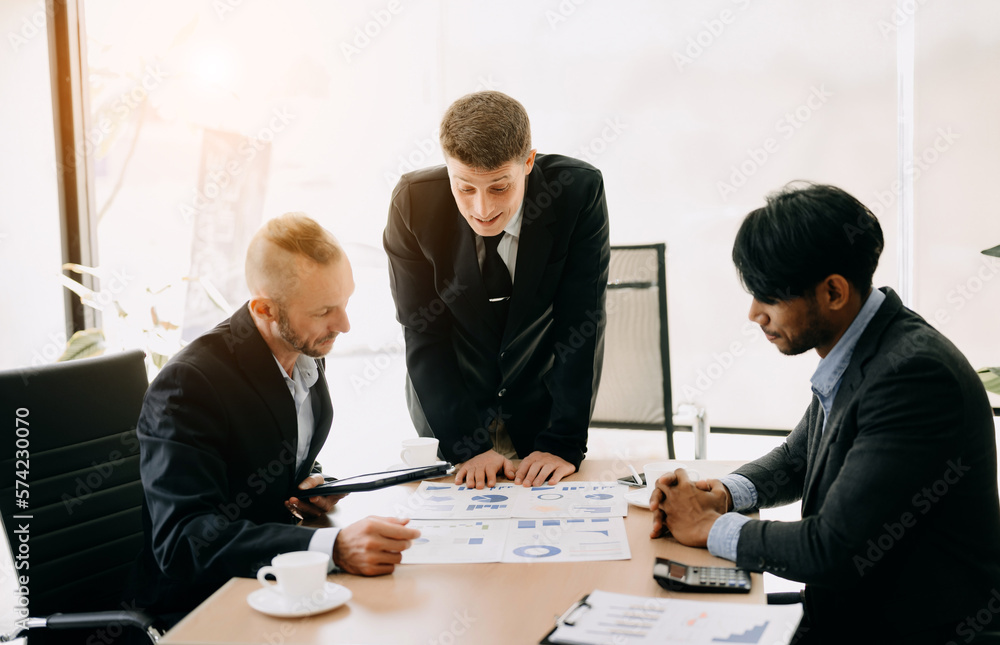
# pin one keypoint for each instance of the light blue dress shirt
(305, 373)
(725, 533)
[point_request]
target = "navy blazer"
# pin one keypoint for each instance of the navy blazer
(900, 529)
(218, 435)
(541, 370)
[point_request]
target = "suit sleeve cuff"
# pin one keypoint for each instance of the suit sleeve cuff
(742, 490)
(322, 541)
(725, 535)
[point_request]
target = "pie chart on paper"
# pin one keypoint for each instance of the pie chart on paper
(489, 499)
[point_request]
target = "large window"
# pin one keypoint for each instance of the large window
(211, 117)
(33, 323)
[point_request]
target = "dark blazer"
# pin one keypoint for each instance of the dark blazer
(541, 371)
(900, 529)
(218, 435)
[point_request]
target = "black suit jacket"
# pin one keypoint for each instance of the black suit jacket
(218, 434)
(900, 529)
(540, 372)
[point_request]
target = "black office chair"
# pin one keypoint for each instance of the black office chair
(71, 501)
(635, 383)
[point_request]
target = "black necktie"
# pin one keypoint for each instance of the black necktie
(496, 277)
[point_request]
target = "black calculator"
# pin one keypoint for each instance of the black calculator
(682, 577)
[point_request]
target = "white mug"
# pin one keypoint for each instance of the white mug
(299, 574)
(421, 451)
(658, 469)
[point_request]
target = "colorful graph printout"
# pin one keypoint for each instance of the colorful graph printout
(518, 540)
(434, 501)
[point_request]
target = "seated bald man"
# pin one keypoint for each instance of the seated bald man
(231, 427)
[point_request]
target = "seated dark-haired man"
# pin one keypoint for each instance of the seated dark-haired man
(498, 264)
(894, 461)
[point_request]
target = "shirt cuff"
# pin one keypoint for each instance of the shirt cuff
(742, 490)
(322, 541)
(725, 535)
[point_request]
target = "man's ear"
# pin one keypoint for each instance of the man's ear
(263, 309)
(835, 292)
(529, 163)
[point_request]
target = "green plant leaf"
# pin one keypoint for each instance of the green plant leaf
(991, 378)
(83, 344)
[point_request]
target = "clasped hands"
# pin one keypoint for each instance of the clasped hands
(687, 509)
(534, 470)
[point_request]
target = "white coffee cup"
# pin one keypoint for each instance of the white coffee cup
(421, 451)
(658, 469)
(300, 575)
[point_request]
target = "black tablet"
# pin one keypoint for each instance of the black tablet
(375, 481)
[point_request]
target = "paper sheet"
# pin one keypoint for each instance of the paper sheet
(433, 500)
(518, 540)
(620, 618)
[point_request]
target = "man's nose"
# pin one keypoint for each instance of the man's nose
(341, 323)
(483, 204)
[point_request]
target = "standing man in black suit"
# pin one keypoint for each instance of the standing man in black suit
(498, 264)
(233, 423)
(895, 460)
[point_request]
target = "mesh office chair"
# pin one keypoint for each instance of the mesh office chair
(635, 383)
(71, 502)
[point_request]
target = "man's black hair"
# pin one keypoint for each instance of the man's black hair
(805, 233)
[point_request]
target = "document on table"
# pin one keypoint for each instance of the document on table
(605, 617)
(433, 501)
(518, 540)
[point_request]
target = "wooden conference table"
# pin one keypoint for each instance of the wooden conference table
(452, 603)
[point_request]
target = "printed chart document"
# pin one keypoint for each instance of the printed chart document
(605, 617)
(433, 501)
(566, 540)
(518, 540)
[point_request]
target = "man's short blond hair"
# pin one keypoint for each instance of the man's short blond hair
(277, 248)
(486, 130)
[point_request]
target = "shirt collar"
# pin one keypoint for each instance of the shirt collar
(513, 227)
(305, 372)
(831, 368)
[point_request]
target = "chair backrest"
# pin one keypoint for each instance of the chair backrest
(635, 383)
(78, 478)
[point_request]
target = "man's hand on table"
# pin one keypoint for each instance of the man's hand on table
(482, 470)
(687, 509)
(539, 466)
(314, 506)
(373, 546)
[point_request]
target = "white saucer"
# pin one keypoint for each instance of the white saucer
(639, 497)
(272, 603)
